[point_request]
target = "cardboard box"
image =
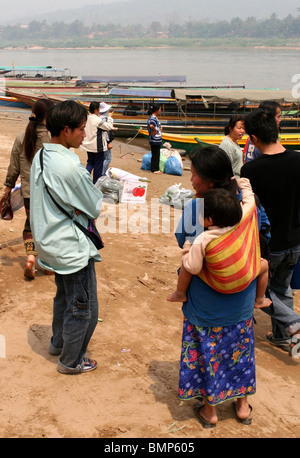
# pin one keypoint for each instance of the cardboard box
(133, 192)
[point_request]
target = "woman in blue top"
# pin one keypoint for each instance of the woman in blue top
(217, 357)
(155, 139)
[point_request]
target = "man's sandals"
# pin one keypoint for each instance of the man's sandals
(295, 346)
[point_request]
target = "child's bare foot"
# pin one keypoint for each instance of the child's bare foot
(262, 302)
(176, 296)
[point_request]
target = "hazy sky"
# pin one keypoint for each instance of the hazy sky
(12, 10)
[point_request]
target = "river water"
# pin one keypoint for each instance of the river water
(257, 68)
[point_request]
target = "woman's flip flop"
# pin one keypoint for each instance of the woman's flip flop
(206, 424)
(244, 421)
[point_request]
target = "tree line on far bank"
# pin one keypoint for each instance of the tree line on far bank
(77, 32)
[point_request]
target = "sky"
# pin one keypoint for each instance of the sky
(12, 10)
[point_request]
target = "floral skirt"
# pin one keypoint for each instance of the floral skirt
(217, 363)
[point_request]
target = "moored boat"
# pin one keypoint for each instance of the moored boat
(183, 112)
(29, 76)
(11, 102)
(29, 97)
(188, 142)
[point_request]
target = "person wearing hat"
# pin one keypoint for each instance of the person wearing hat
(105, 134)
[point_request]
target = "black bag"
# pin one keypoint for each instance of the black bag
(91, 231)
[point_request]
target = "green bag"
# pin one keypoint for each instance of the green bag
(162, 161)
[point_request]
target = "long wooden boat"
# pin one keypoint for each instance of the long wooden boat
(30, 97)
(127, 123)
(128, 127)
(187, 111)
(188, 142)
(177, 120)
(11, 102)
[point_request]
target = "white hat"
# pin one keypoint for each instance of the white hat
(104, 107)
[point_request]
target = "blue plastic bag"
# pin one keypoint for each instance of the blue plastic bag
(146, 162)
(173, 166)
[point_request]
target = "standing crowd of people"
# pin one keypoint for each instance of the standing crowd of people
(244, 257)
(223, 276)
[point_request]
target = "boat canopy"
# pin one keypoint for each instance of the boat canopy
(233, 95)
(48, 72)
(133, 79)
(32, 69)
(144, 93)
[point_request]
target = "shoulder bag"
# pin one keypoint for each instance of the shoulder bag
(91, 231)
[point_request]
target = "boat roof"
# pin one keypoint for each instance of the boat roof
(133, 79)
(235, 95)
(48, 68)
(145, 93)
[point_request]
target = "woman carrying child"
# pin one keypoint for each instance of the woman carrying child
(222, 214)
(217, 359)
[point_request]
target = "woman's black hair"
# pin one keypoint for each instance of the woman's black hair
(153, 108)
(39, 112)
(213, 165)
(223, 207)
(66, 114)
(93, 107)
(232, 122)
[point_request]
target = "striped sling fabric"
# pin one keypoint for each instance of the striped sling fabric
(232, 261)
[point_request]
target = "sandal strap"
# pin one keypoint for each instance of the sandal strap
(89, 364)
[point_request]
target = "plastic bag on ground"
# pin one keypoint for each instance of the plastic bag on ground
(146, 162)
(176, 197)
(173, 166)
(119, 174)
(110, 188)
(168, 152)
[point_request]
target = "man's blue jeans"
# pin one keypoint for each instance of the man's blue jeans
(107, 160)
(75, 314)
(282, 264)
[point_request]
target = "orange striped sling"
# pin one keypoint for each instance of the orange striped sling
(232, 261)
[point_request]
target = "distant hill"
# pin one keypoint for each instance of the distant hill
(164, 11)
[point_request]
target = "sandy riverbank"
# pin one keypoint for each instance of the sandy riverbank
(133, 392)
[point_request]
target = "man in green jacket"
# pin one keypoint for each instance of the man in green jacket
(61, 246)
